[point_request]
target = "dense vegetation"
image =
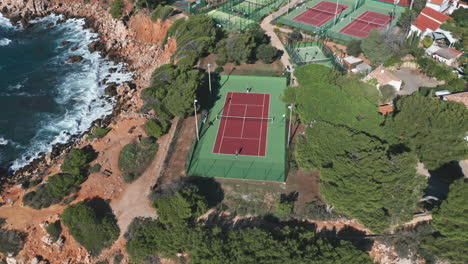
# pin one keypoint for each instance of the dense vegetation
(451, 222)
(318, 87)
(433, 128)
(195, 37)
(99, 132)
(172, 90)
(459, 28)
(161, 12)
(156, 128)
(54, 229)
(136, 157)
(359, 174)
(92, 224)
(177, 232)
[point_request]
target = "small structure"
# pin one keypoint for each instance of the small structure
(351, 62)
(384, 77)
(362, 68)
(385, 109)
(439, 5)
(448, 56)
(456, 4)
(457, 97)
(428, 21)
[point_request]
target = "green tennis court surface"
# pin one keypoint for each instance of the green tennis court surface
(269, 167)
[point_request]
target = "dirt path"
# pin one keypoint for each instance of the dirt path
(178, 156)
(134, 200)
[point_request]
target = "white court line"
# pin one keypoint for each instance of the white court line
(243, 138)
(225, 123)
(243, 121)
(248, 104)
(261, 127)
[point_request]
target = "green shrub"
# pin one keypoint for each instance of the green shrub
(353, 48)
(92, 224)
(135, 158)
(436, 69)
(52, 192)
(54, 229)
(427, 42)
(219, 69)
(395, 60)
(156, 128)
(161, 12)
(117, 7)
(11, 241)
(95, 168)
(76, 161)
(99, 132)
(284, 208)
(118, 259)
(129, 177)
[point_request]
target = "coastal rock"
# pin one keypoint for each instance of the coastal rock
(73, 48)
(96, 46)
(111, 89)
(65, 43)
(75, 58)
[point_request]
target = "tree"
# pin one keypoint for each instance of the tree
(427, 41)
(418, 5)
(76, 161)
(434, 128)
(237, 48)
(406, 19)
(173, 89)
(11, 241)
(154, 128)
(267, 53)
(451, 220)
(356, 88)
(294, 36)
(117, 7)
(361, 176)
(353, 48)
(387, 92)
(375, 48)
(94, 229)
(54, 229)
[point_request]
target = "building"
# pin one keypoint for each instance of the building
(362, 68)
(457, 4)
(384, 77)
(448, 56)
(457, 97)
(428, 21)
(439, 5)
(351, 62)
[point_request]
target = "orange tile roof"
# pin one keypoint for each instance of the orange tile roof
(385, 109)
(435, 14)
(458, 97)
(383, 76)
(436, 2)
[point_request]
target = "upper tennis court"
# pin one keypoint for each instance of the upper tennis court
(365, 23)
(321, 13)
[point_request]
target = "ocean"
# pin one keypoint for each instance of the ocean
(43, 98)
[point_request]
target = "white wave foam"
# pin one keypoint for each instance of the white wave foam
(5, 22)
(5, 42)
(3, 141)
(80, 88)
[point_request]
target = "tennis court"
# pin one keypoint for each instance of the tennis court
(362, 26)
(244, 133)
(244, 124)
(321, 13)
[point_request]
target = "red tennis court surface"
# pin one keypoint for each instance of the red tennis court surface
(244, 125)
(362, 26)
(320, 14)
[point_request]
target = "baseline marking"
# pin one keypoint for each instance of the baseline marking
(261, 128)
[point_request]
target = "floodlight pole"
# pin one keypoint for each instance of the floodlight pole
(196, 119)
(290, 107)
(289, 2)
(336, 11)
(209, 77)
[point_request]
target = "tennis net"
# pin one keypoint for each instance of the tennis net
(371, 22)
(228, 117)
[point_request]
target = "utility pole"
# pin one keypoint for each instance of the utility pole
(196, 118)
(336, 11)
(290, 107)
(209, 77)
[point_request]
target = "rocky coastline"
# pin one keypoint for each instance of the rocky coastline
(119, 41)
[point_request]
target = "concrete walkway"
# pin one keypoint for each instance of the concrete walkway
(275, 41)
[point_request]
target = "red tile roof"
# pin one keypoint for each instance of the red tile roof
(429, 18)
(458, 97)
(435, 14)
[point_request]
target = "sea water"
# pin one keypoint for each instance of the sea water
(44, 99)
